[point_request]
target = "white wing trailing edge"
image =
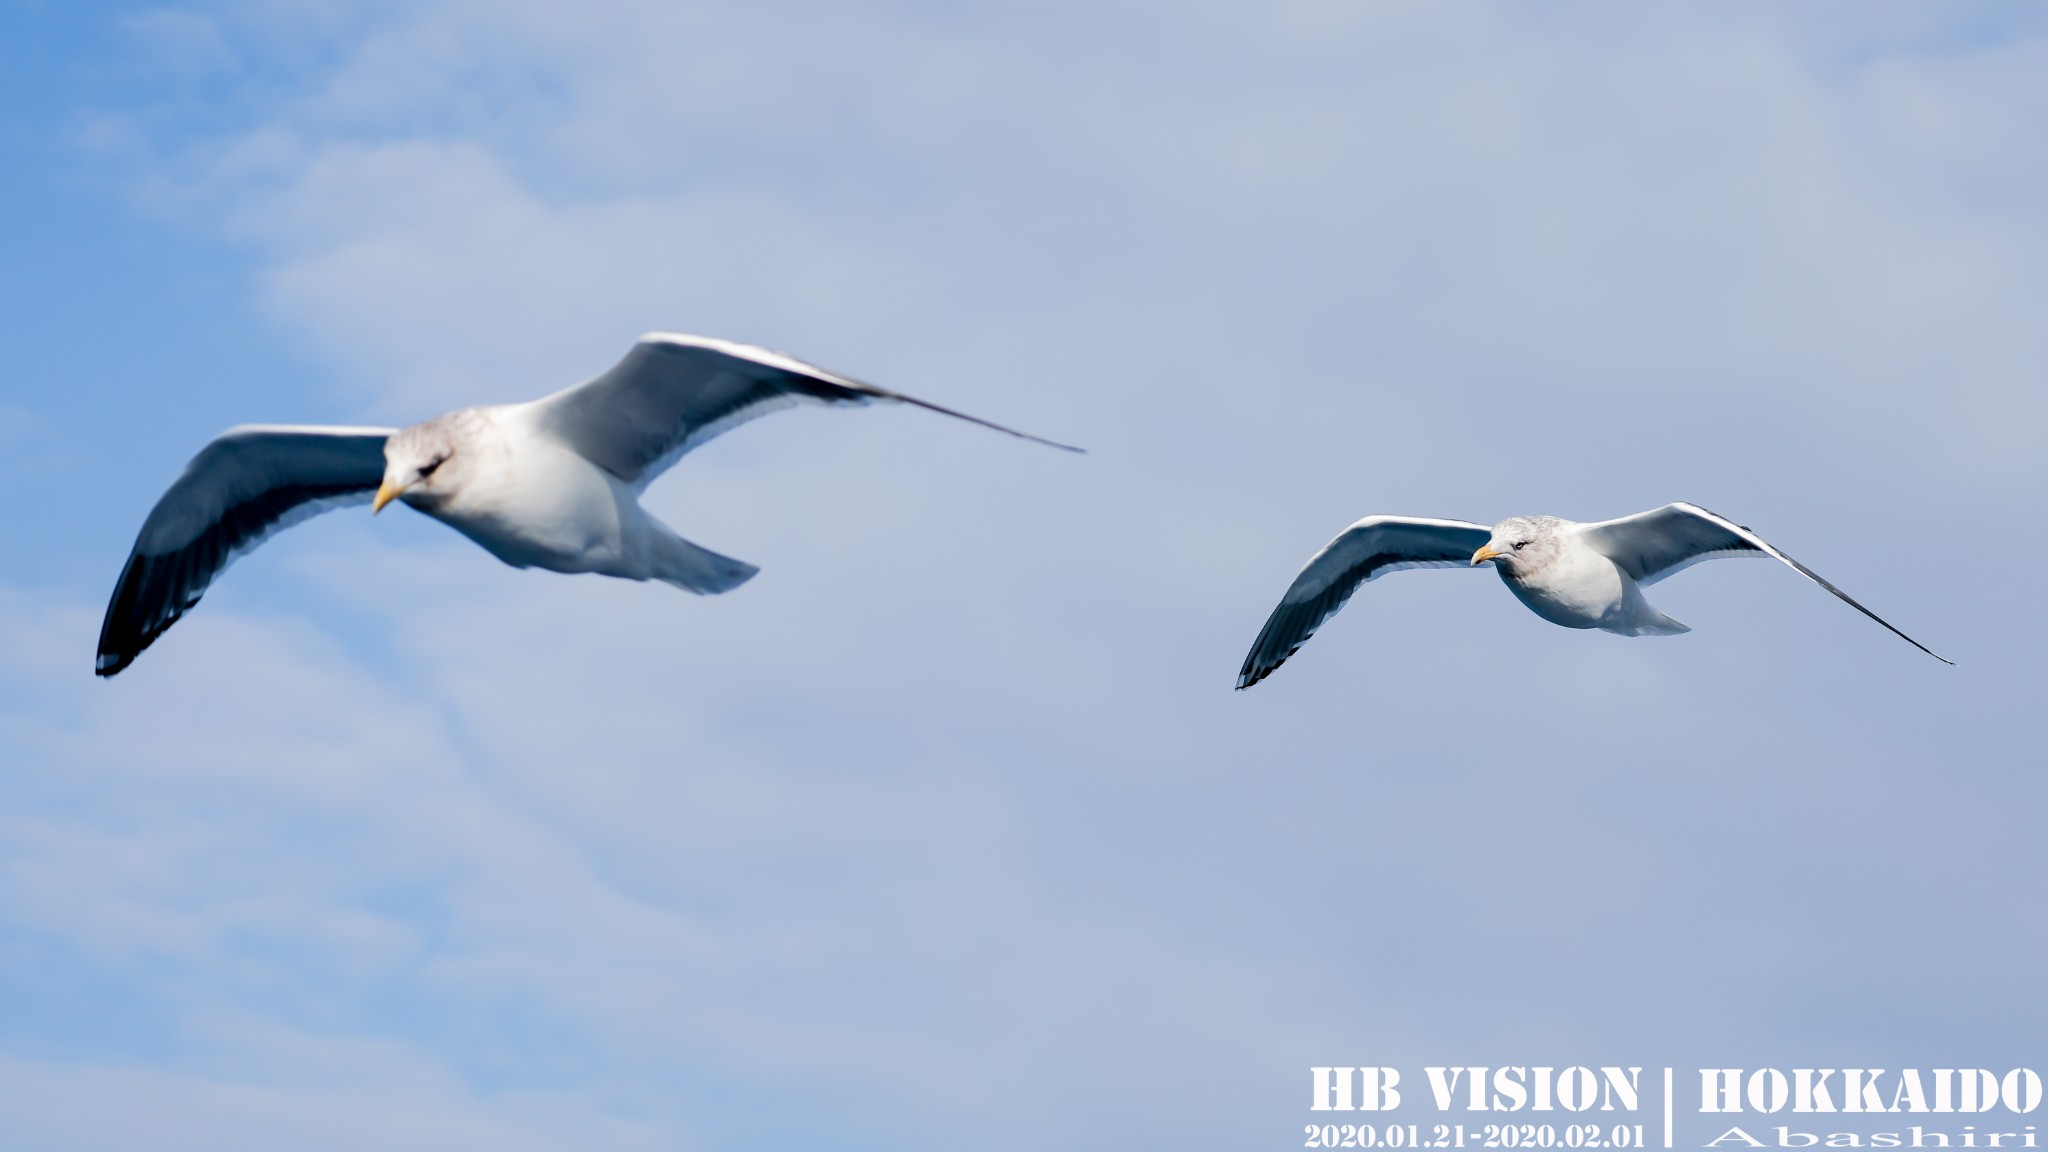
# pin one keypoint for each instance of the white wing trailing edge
(672, 393)
(249, 483)
(1652, 545)
(1368, 549)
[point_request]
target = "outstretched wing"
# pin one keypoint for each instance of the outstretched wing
(1652, 545)
(249, 483)
(1374, 545)
(672, 393)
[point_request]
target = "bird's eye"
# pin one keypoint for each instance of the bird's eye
(1521, 544)
(427, 470)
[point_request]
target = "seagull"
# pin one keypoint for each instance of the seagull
(1577, 575)
(553, 483)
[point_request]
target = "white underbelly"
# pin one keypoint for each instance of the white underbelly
(1585, 590)
(556, 511)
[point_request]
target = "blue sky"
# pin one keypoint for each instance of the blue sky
(949, 822)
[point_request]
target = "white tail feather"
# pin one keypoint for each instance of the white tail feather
(1650, 622)
(674, 560)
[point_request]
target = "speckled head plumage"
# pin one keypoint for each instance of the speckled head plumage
(1522, 545)
(421, 461)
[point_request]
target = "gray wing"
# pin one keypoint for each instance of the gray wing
(1362, 552)
(249, 483)
(1652, 545)
(672, 393)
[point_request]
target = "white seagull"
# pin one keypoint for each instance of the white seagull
(553, 483)
(1577, 575)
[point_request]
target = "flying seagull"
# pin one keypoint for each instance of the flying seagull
(1577, 575)
(553, 483)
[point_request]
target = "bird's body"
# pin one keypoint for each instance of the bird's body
(1580, 590)
(1570, 584)
(552, 483)
(1572, 574)
(531, 501)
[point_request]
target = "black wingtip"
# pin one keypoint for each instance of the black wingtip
(1250, 674)
(127, 630)
(113, 655)
(958, 415)
(1078, 451)
(113, 659)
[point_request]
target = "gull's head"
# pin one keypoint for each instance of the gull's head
(1521, 544)
(414, 465)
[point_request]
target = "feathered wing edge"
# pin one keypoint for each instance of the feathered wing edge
(671, 393)
(803, 368)
(1366, 550)
(1754, 544)
(238, 503)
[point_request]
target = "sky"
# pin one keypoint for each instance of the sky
(947, 830)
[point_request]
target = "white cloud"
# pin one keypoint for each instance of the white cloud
(469, 203)
(374, 1097)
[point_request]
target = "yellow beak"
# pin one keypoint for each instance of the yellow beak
(385, 495)
(1484, 554)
